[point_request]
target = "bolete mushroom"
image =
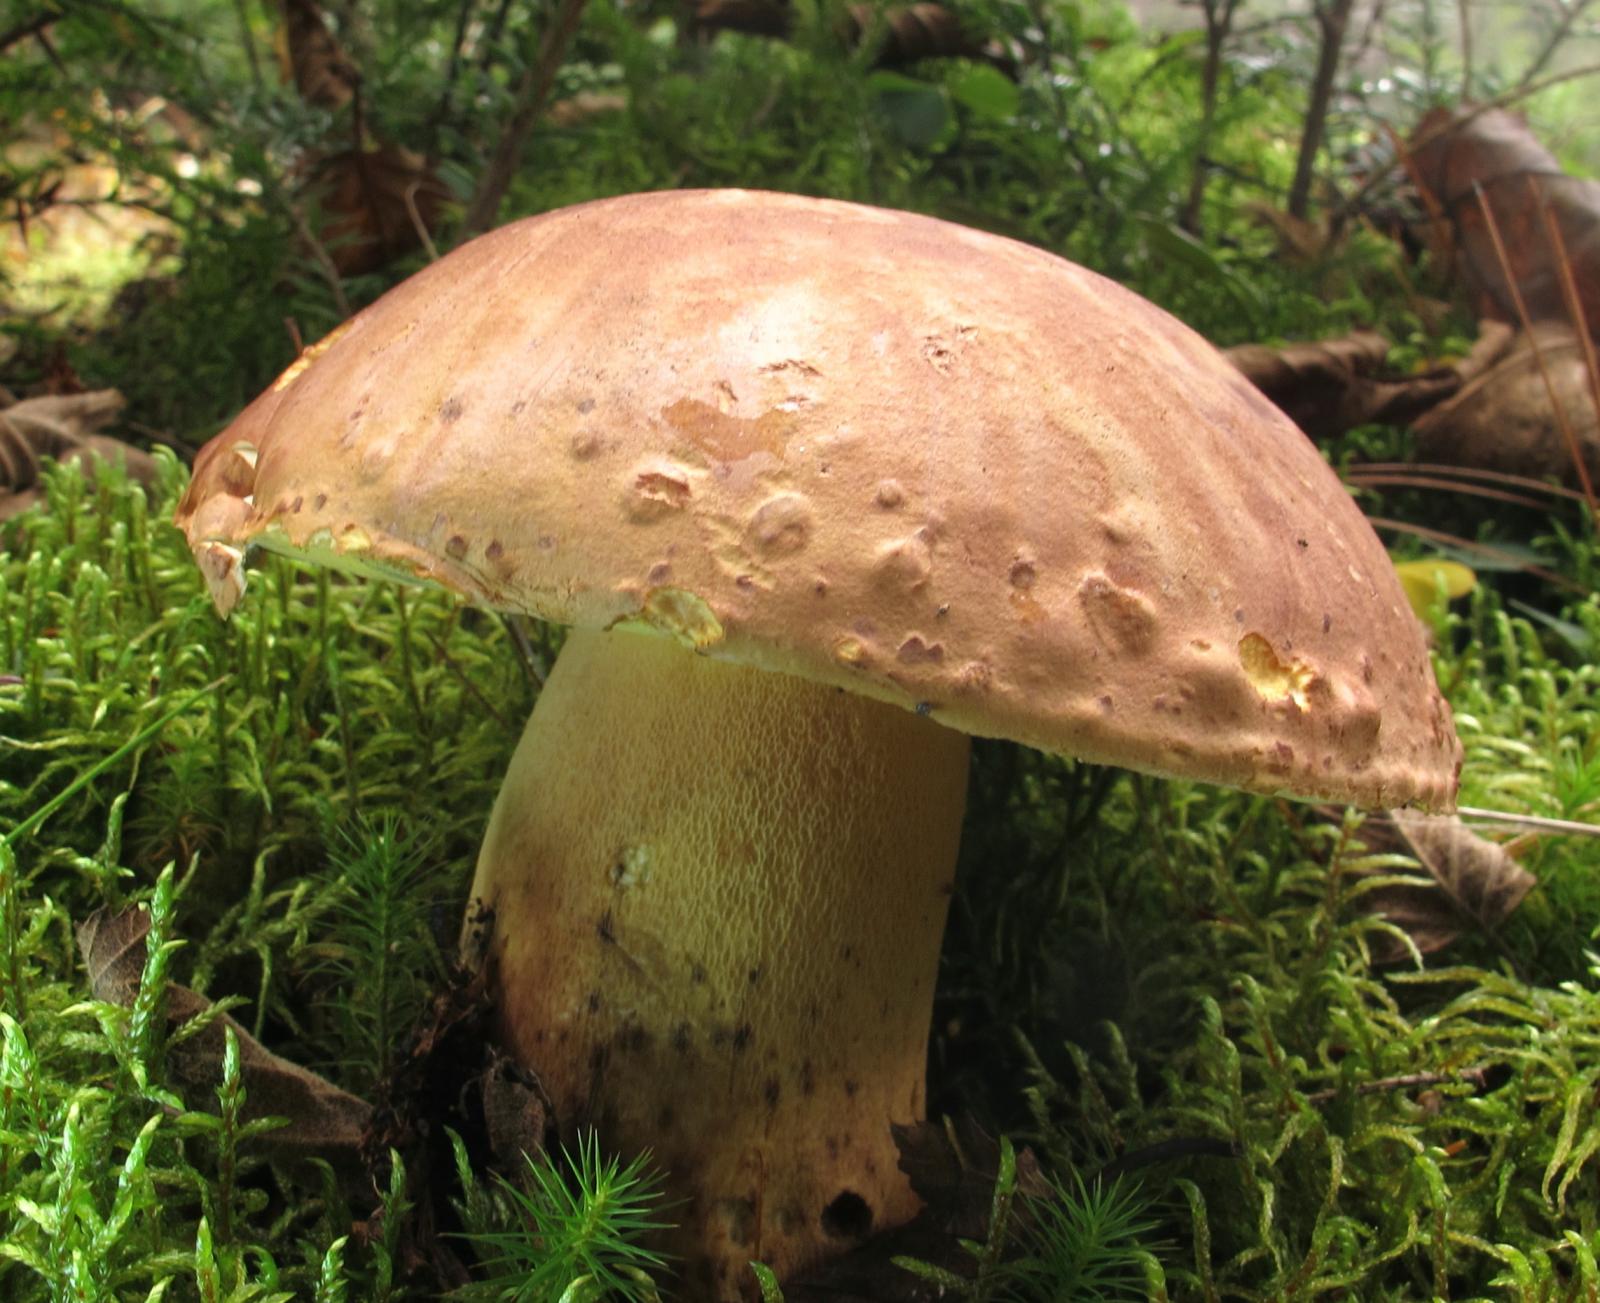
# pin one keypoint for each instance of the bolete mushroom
(821, 489)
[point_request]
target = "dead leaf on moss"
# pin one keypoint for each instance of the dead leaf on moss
(1464, 152)
(1329, 386)
(1504, 420)
(60, 427)
(322, 1120)
(1475, 882)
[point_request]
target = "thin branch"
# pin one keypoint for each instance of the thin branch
(1580, 328)
(1535, 821)
(1464, 18)
(1489, 550)
(1333, 17)
(1368, 481)
(247, 38)
(22, 31)
(533, 90)
(1477, 1077)
(1570, 13)
(1562, 421)
(1438, 469)
(321, 256)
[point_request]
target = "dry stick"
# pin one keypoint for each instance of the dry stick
(1219, 19)
(1535, 821)
(417, 224)
(1482, 549)
(320, 255)
(248, 40)
(1570, 13)
(1464, 472)
(1526, 319)
(1332, 16)
(1478, 1077)
(1355, 476)
(1465, 19)
(1580, 327)
(533, 89)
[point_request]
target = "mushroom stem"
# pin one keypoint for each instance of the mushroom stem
(718, 896)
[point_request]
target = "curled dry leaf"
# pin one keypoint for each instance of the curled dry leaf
(323, 1121)
(374, 204)
(1456, 155)
(910, 32)
(322, 72)
(1505, 421)
(60, 427)
(1329, 386)
(1475, 882)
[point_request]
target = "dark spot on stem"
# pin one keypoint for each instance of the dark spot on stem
(741, 1037)
(848, 1217)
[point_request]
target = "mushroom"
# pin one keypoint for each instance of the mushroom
(821, 489)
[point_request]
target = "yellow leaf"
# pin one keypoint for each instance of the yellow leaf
(1424, 580)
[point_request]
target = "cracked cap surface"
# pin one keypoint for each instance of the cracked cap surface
(917, 461)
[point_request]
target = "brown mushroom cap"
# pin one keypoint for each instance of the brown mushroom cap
(920, 462)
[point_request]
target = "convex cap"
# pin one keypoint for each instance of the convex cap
(920, 462)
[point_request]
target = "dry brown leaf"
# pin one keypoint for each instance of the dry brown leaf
(1459, 154)
(1475, 883)
(374, 204)
(323, 1121)
(322, 72)
(1504, 420)
(60, 427)
(911, 32)
(1332, 385)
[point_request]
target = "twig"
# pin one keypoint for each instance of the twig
(420, 226)
(22, 31)
(1464, 18)
(1526, 319)
(1478, 1077)
(1482, 549)
(1365, 481)
(1570, 13)
(533, 89)
(1332, 16)
(1463, 472)
(321, 256)
(1219, 19)
(247, 38)
(1580, 328)
(1537, 822)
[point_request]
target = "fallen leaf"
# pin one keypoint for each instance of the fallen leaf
(1474, 882)
(1458, 154)
(907, 33)
(1504, 420)
(374, 205)
(1332, 385)
(60, 427)
(322, 72)
(322, 1120)
(1424, 579)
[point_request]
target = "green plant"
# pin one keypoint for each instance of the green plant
(574, 1230)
